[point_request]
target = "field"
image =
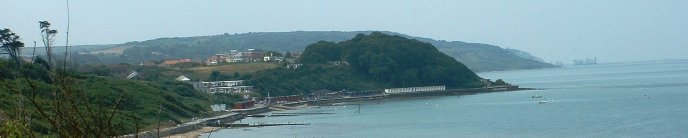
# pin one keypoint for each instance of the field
(241, 68)
(113, 50)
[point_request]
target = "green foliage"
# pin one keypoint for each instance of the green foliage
(14, 129)
(309, 78)
(225, 98)
(320, 52)
(214, 76)
(51, 101)
(48, 36)
(141, 100)
(402, 62)
(187, 65)
(10, 45)
(288, 55)
(372, 61)
(218, 76)
(500, 82)
(236, 75)
(137, 102)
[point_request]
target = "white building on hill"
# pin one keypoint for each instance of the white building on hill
(235, 86)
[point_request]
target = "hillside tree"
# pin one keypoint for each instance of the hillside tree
(48, 37)
(10, 45)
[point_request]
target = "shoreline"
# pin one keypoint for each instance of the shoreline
(195, 133)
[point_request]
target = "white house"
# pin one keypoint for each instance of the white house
(182, 78)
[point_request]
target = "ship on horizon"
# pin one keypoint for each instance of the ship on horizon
(586, 61)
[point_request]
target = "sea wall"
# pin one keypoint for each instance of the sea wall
(410, 94)
(457, 91)
(250, 111)
(188, 127)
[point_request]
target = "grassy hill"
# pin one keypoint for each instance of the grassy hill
(478, 57)
(83, 103)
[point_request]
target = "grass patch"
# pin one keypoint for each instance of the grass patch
(241, 68)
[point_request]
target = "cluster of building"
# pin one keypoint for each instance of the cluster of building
(233, 86)
(229, 86)
(233, 56)
(250, 55)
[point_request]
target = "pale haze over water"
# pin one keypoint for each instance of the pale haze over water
(611, 30)
(642, 99)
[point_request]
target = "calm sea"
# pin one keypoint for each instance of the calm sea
(641, 99)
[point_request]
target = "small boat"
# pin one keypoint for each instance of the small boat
(536, 96)
(542, 102)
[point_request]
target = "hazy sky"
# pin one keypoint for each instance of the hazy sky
(612, 30)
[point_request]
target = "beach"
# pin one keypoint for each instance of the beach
(196, 133)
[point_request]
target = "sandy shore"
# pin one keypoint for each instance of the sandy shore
(195, 133)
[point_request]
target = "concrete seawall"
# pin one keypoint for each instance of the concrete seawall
(411, 94)
(198, 124)
(457, 92)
